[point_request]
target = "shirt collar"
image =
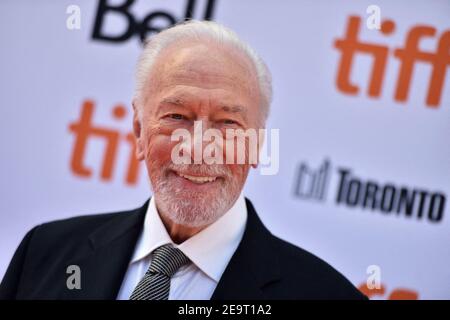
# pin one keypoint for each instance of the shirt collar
(210, 250)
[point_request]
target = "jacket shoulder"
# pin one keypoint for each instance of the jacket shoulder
(71, 234)
(44, 249)
(311, 276)
(77, 226)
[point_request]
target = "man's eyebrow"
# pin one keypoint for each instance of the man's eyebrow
(175, 101)
(234, 109)
(225, 107)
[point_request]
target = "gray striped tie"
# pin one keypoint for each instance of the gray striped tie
(155, 284)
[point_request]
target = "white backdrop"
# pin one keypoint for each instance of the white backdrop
(48, 72)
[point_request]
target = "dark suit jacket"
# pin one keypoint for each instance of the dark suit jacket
(263, 266)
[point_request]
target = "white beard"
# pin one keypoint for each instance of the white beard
(192, 209)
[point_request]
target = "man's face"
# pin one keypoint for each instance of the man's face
(195, 82)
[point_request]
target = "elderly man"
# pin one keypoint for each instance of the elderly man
(197, 237)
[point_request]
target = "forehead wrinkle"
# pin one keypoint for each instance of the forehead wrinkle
(182, 102)
(206, 65)
(178, 101)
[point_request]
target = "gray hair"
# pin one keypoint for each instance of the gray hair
(201, 30)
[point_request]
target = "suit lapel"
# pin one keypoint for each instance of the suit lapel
(253, 266)
(111, 247)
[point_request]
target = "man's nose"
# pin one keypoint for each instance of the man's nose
(198, 143)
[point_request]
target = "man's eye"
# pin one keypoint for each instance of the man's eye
(176, 116)
(228, 121)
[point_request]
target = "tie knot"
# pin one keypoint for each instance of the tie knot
(167, 260)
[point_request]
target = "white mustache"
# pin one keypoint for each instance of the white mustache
(201, 169)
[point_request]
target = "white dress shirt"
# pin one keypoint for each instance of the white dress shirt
(209, 251)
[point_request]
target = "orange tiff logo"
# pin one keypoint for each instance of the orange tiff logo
(84, 129)
(395, 294)
(408, 56)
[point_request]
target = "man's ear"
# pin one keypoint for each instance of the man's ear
(137, 130)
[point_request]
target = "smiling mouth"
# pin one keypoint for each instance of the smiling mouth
(197, 179)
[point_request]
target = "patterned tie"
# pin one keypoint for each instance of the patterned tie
(155, 284)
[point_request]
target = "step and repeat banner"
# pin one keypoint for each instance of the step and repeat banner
(361, 101)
